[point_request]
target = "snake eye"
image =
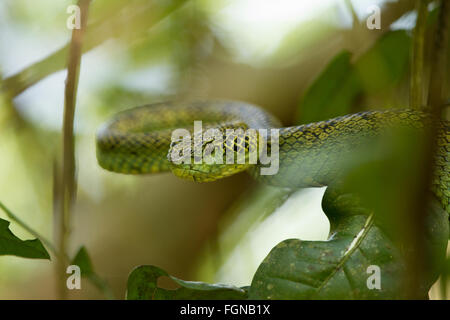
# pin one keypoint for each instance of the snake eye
(247, 142)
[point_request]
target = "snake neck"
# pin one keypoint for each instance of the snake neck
(319, 154)
(137, 141)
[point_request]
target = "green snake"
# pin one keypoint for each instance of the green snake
(139, 141)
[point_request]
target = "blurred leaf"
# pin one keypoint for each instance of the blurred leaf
(12, 245)
(364, 231)
(332, 93)
(117, 98)
(388, 171)
(252, 207)
(83, 261)
(384, 64)
(142, 285)
(130, 22)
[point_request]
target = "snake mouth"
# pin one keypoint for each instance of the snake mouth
(191, 174)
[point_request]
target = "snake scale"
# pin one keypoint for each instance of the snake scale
(138, 141)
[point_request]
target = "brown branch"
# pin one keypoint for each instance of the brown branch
(438, 62)
(129, 26)
(417, 56)
(420, 203)
(68, 181)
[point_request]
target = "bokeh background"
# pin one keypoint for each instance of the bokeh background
(137, 52)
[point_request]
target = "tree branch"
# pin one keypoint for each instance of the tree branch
(68, 181)
(417, 55)
(420, 200)
(129, 26)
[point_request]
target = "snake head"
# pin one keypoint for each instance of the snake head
(212, 154)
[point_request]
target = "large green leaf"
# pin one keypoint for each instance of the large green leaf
(12, 245)
(338, 268)
(142, 285)
(333, 269)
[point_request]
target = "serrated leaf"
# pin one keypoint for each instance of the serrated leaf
(142, 285)
(12, 245)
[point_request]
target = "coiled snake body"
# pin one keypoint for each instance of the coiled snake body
(137, 141)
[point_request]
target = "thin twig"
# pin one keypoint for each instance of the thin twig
(68, 180)
(417, 56)
(132, 26)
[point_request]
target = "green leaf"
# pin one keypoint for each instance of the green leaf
(389, 172)
(12, 245)
(83, 261)
(385, 63)
(338, 268)
(332, 93)
(333, 269)
(377, 71)
(142, 285)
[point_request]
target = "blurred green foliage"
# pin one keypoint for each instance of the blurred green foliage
(129, 221)
(335, 91)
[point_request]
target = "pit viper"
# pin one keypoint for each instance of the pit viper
(139, 140)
